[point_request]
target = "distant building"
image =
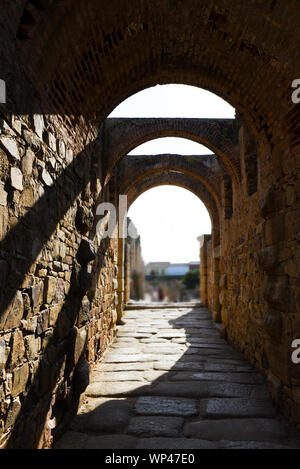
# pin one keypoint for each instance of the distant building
(178, 269)
(157, 268)
(168, 268)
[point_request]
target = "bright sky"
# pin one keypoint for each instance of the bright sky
(169, 219)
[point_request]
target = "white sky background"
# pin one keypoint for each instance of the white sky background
(169, 219)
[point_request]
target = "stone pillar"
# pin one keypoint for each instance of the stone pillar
(127, 272)
(216, 306)
(204, 239)
(210, 276)
(121, 278)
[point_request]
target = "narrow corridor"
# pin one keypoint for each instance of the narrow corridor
(170, 382)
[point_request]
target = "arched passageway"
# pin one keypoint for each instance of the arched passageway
(66, 66)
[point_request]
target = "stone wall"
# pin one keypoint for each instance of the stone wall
(58, 302)
(134, 265)
(259, 278)
(74, 62)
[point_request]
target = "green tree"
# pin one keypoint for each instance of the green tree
(191, 279)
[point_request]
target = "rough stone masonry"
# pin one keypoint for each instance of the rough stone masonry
(66, 66)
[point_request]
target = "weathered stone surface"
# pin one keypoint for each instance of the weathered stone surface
(17, 349)
(276, 290)
(37, 294)
(120, 358)
(27, 197)
(268, 258)
(110, 367)
(236, 407)
(60, 290)
(50, 140)
(61, 148)
(46, 178)
(11, 146)
(4, 165)
(173, 399)
(15, 313)
(3, 195)
(42, 322)
(84, 313)
(80, 343)
(3, 354)
(54, 314)
(49, 289)
(111, 416)
(152, 405)
(269, 203)
(27, 162)
(208, 389)
(14, 411)
(248, 378)
(16, 179)
(237, 430)
(156, 426)
(118, 376)
(3, 221)
(32, 346)
(20, 378)
(30, 324)
(99, 389)
(165, 349)
(251, 187)
(38, 122)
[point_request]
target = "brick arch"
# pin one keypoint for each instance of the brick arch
(185, 181)
(204, 169)
(219, 135)
(89, 57)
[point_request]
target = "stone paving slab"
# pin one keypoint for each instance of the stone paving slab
(164, 349)
(156, 426)
(154, 339)
(136, 335)
(208, 389)
(118, 376)
(200, 340)
(132, 366)
(247, 378)
(170, 381)
(236, 407)
(153, 405)
(106, 418)
(119, 357)
(261, 430)
(169, 365)
(99, 389)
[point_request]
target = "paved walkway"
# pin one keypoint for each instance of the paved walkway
(170, 382)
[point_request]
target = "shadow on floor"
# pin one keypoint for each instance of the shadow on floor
(198, 392)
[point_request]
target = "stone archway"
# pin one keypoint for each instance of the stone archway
(66, 66)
